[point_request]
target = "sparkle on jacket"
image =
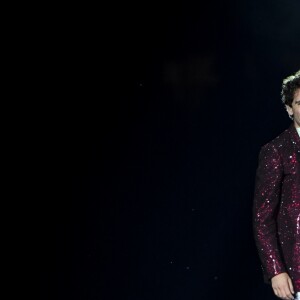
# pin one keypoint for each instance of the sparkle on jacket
(276, 207)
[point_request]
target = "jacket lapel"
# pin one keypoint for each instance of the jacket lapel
(295, 140)
(294, 135)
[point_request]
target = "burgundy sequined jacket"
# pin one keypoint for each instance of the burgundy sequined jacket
(276, 207)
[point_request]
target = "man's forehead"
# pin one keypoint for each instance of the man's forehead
(297, 95)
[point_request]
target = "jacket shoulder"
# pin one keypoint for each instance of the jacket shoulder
(278, 142)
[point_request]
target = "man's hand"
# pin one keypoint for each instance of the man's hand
(282, 286)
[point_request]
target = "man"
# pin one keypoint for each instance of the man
(276, 205)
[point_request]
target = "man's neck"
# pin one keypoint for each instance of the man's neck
(296, 125)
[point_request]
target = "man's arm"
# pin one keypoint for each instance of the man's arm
(269, 176)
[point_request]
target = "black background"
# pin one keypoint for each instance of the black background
(172, 103)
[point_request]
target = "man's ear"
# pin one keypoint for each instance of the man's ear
(289, 110)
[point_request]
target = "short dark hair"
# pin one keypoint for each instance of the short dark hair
(289, 87)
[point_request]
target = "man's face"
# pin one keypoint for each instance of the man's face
(295, 109)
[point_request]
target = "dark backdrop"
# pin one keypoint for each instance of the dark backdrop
(172, 103)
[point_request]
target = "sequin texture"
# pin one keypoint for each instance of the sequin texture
(276, 207)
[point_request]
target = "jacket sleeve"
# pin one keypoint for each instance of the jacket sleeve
(269, 176)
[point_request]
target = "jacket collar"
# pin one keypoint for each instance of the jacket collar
(294, 136)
